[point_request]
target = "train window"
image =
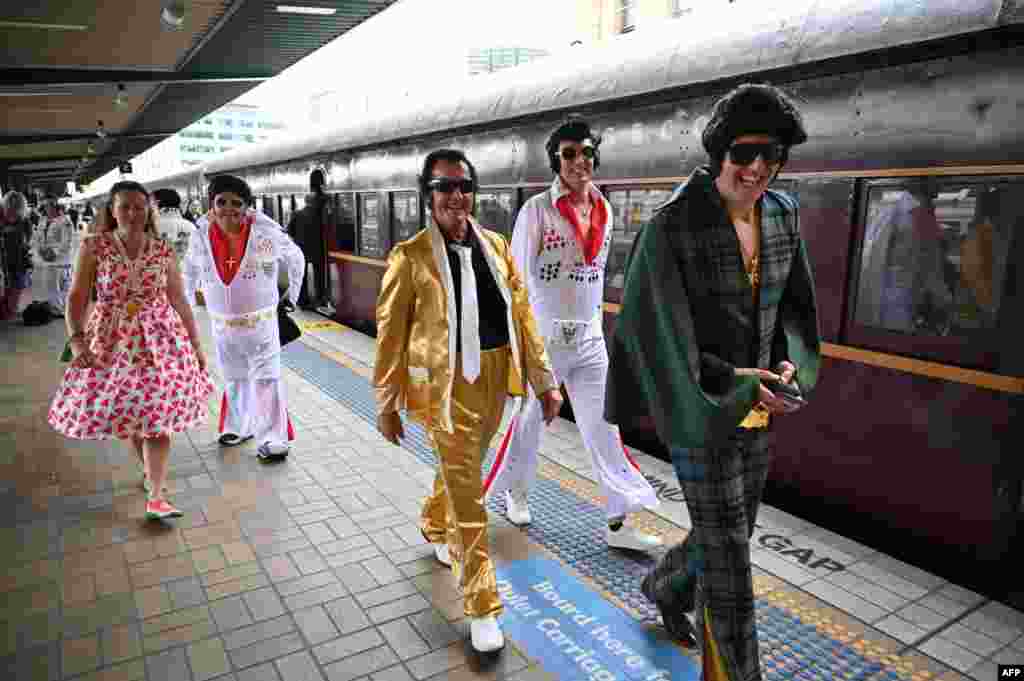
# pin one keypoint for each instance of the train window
(370, 242)
(631, 209)
(494, 210)
(933, 265)
(347, 222)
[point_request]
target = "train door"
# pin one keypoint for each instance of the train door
(406, 215)
(267, 206)
(287, 209)
(372, 235)
(346, 222)
(495, 210)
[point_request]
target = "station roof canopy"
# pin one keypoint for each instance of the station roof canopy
(144, 68)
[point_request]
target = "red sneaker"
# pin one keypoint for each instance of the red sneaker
(158, 509)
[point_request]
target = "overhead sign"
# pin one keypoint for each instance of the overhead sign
(125, 168)
(577, 634)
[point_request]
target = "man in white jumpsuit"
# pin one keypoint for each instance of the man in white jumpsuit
(53, 249)
(170, 225)
(560, 245)
(233, 258)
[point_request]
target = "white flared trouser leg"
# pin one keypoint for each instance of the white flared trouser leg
(257, 408)
(621, 481)
(515, 464)
(584, 369)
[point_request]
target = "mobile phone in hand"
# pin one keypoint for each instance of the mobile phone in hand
(789, 392)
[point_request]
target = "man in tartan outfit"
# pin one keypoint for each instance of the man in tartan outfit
(718, 302)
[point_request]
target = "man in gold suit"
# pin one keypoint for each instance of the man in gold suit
(455, 336)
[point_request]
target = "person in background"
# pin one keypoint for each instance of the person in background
(16, 233)
(718, 337)
(455, 335)
(171, 226)
(55, 238)
(902, 287)
(560, 244)
(306, 228)
(984, 255)
(233, 258)
(139, 372)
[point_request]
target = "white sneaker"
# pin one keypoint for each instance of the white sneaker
(272, 450)
(444, 557)
(486, 634)
(629, 538)
(517, 509)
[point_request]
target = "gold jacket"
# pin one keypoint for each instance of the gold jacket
(415, 365)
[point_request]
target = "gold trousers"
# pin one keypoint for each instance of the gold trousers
(455, 513)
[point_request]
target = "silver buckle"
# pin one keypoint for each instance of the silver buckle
(569, 330)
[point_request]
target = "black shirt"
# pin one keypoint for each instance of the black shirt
(493, 312)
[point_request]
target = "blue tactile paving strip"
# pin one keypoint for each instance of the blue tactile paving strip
(573, 528)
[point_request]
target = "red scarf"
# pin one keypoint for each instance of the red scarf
(598, 219)
(224, 257)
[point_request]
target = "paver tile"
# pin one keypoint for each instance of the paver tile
(315, 624)
(298, 667)
(266, 650)
(360, 664)
(208, 659)
(347, 645)
(258, 632)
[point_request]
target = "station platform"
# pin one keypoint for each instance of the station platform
(314, 568)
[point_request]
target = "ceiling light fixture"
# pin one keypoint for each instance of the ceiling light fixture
(119, 99)
(305, 9)
(36, 94)
(43, 26)
(41, 109)
(172, 16)
(101, 132)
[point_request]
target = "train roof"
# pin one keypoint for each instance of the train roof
(703, 47)
(177, 178)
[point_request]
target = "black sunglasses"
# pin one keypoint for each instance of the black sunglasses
(447, 185)
(234, 203)
(744, 153)
(570, 153)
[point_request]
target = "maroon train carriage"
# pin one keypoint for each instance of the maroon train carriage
(912, 204)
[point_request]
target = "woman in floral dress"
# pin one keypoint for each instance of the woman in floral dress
(138, 372)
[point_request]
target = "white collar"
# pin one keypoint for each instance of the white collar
(558, 190)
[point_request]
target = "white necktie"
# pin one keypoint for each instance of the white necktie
(470, 319)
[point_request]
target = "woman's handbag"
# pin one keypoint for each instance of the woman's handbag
(287, 328)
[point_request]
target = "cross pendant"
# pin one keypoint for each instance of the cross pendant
(230, 262)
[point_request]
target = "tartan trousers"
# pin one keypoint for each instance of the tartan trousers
(711, 569)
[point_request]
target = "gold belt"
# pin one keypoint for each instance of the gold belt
(246, 321)
(757, 418)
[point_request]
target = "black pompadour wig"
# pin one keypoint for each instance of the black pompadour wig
(229, 183)
(752, 109)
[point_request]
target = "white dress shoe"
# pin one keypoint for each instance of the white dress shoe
(629, 538)
(486, 634)
(517, 509)
(442, 554)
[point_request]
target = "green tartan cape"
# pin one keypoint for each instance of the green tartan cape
(657, 370)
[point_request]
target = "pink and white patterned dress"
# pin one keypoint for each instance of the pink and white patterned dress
(145, 379)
